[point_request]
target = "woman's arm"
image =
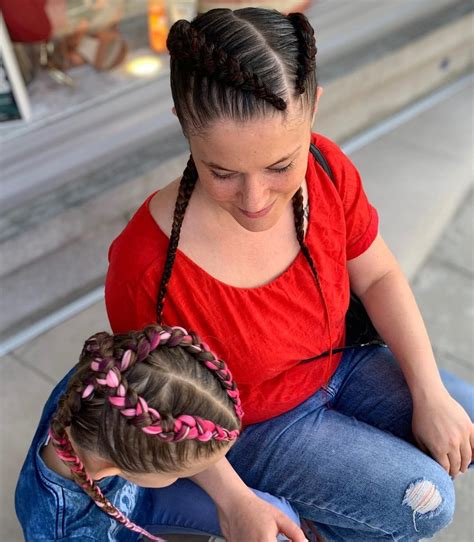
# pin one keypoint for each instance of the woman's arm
(440, 424)
(241, 513)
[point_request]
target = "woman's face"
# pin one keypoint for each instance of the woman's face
(252, 170)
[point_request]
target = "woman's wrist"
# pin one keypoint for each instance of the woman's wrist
(427, 389)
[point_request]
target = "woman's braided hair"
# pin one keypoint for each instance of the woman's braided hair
(144, 401)
(237, 64)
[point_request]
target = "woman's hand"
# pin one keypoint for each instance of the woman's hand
(252, 519)
(442, 429)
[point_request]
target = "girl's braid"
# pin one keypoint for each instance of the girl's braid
(191, 47)
(109, 373)
(186, 187)
(68, 404)
(307, 49)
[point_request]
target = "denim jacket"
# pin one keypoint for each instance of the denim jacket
(50, 507)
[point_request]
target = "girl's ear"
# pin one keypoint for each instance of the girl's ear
(103, 472)
(95, 466)
(173, 110)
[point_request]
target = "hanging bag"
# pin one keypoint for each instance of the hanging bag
(360, 330)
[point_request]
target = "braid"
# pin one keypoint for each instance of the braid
(298, 211)
(65, 451)
(307, 49)
(105, 363)
(110, 374)
(189, 46)
(186, 187)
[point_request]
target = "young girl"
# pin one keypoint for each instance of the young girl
(257, 247)
(139, 412)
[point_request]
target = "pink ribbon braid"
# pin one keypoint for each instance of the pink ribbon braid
(185, 426)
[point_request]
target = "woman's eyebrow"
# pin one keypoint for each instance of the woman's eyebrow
(216, 166)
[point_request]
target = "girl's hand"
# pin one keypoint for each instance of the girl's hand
(442, 429)
(252, 519)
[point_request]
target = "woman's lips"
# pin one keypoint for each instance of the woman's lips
(258, 214)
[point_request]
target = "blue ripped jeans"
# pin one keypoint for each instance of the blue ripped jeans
(346, 457)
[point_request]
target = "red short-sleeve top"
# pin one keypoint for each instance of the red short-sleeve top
(262, 333)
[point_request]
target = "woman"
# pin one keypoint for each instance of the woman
(361, 442)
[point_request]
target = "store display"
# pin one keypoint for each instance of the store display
(158, 25)
(14, 101)
(161, 16)
(26, 20)
(104, 49)
(93, 36)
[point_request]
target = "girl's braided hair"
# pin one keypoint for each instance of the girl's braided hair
(149, 401)
(240, 65)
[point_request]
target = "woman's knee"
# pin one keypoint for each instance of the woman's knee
(428, 507)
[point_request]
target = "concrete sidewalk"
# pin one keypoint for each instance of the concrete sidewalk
(443, 284)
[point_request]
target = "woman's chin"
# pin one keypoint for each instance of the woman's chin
(256, 225)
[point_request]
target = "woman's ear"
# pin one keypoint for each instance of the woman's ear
(173, 110)
(319, 93)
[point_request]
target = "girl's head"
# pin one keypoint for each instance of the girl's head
(149, 406)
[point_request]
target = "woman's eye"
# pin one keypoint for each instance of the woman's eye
(282, 170)
(217, 176)
(229, 175)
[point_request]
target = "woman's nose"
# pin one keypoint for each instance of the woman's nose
(254, 195)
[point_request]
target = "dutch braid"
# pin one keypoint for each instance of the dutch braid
(186, 187)
(197, 54)
(110, 373)
(190, 46)
(64, 450)
(298, 212)
(307, 49)
(103, 367)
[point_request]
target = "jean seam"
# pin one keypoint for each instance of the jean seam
(205, 532)
(60, 503)
(291, 501)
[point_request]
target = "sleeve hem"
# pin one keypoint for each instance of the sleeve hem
(366, 239)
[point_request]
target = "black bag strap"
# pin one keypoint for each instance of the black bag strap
(359, 329)
(319, 157)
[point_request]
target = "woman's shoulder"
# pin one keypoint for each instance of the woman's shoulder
(344, 172)
(330, 150)
(144, 240)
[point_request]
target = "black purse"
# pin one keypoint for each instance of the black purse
(359, 328)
